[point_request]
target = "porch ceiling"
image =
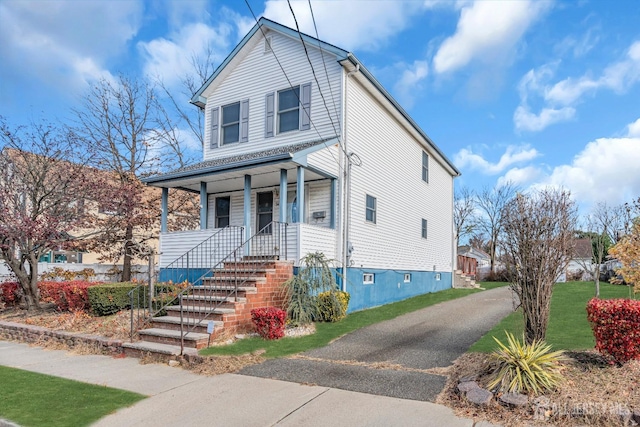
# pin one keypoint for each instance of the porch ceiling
(227, 181)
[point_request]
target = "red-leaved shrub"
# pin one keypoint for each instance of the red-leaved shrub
(9, 293)
(616, 327)
(67, 296)
(269, 322)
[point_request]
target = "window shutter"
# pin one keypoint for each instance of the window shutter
(305, 106)
(244, 121)
(269, 115)
(214, 128)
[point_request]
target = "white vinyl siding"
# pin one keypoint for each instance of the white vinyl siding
(241, 82)
(393, 177)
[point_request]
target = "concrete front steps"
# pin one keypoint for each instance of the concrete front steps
(460, 280)
(258, 284)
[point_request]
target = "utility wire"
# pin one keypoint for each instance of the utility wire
(313, 71)
(291, 85)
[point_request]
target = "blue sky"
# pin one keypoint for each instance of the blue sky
(536, 92)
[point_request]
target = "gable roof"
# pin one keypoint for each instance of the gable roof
(342, 56)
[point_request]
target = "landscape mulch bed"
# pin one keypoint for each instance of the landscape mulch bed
(594, 392)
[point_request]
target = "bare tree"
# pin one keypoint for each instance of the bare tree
(123, 123)
(602, 227)
(42, 186)
(464, 221)
(538, 237)
(491, 202)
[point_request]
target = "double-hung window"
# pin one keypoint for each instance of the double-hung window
(371, 209)
(289, 109)
(425, 167)
(223, 205)
(424, 228)
(231, 123)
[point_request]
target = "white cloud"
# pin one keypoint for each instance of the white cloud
(519, 176)
(561, 98)
(512, 155)
(410, 82)
(634, 129)
(524, 119)
(352, 25)
(487, 31)
(606, 170)
(170, 59)
(65, 44)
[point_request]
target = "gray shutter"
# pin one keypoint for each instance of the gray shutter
(244, 121)
(305, 104)
(214, 127)
(269, 115)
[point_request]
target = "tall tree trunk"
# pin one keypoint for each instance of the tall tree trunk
(126, 262)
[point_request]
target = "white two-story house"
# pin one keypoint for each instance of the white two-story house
(298, 131)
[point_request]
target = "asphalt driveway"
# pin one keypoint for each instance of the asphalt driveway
(396, 358)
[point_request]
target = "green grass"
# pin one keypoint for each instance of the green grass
(32, 399)
(326, 332)
(568, 326)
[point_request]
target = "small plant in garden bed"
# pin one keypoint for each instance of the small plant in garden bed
(616, 327)
(269, 322)
(525, 368)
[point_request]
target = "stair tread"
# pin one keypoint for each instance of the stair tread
(213, 298)
(154, 347)
(193, 336)
(225, 288)
(175, 320)
(193, 308)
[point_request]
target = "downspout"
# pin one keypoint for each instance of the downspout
(345, 187)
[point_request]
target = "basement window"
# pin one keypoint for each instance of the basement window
(407, 277)
(368, 278)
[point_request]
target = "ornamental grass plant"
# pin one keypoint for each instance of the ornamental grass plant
(525, 368)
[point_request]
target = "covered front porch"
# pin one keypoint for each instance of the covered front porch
(242, 195)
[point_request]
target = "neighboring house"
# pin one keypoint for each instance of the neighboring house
(332, 155)
(580, 267)
(474, 262)
(483, 258)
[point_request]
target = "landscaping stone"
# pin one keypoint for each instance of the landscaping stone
(479, 396)
(514, 399)
(635, 416)
(174, 363)
(466, 386)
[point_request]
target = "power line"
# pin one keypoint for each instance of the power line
(313, 71)
(291, 85)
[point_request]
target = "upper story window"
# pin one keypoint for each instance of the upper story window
(231, 123)
(232, 127)
(371, 209)
(425, 167)
(424, 228)
(288, 110)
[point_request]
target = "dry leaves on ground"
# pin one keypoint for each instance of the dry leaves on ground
(593, 393)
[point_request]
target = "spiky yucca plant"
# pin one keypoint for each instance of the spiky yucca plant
(528, 368)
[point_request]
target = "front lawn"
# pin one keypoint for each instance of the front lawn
(568, 327)
(33, 399)
(326, 332)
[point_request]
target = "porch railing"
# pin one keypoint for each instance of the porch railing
(148, 300)
(267, 244)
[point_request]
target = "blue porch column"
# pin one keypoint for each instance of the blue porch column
(164, 206)
(203, 206)
(283, 195)
(300, 194)
(247, 211)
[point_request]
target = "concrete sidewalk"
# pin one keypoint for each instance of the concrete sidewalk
(178, 397)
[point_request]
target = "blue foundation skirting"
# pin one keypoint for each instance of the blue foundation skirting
(179, 275)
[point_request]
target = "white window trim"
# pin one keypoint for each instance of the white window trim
(407, 277)
(278, 112)
(374, 210)
(368, 278)
(223, 125)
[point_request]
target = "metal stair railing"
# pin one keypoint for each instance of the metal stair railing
(267, 245)
(149, 300)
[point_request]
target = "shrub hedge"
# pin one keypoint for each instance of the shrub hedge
(67, 296)
(110, 298)
(269, 322)
(616, 327)
(332, 305)
(9, 293)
